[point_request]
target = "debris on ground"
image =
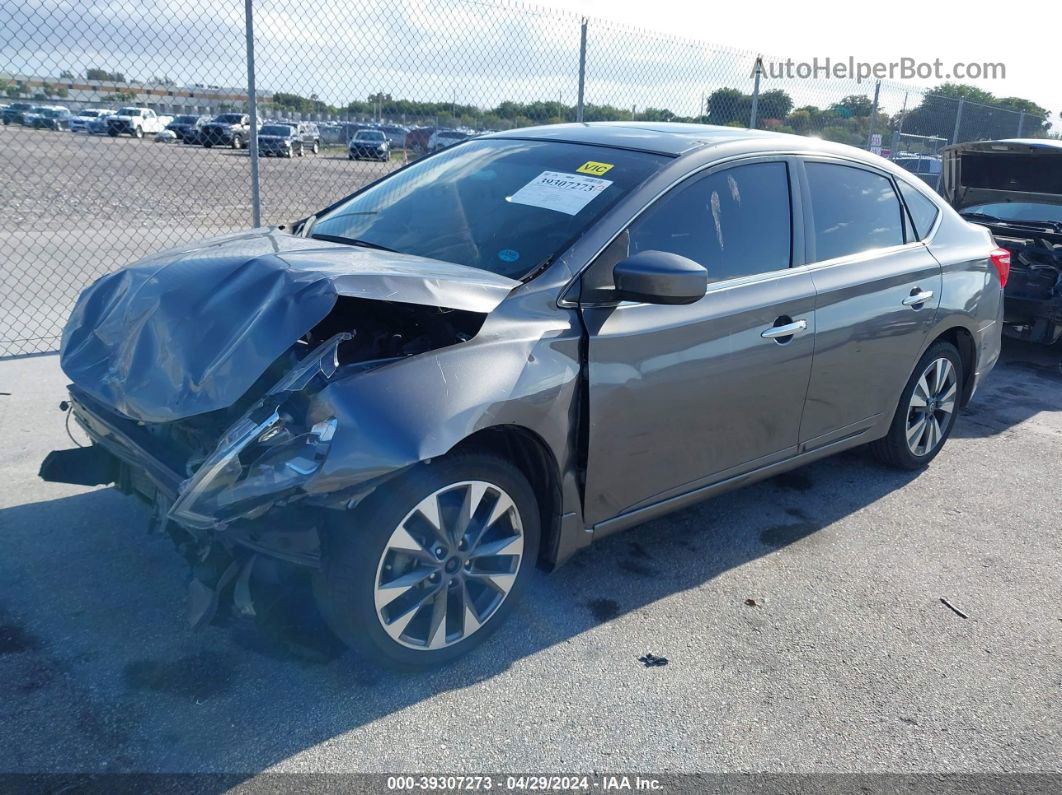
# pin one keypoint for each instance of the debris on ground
(953, 608)
(651, 660)
(750, 602)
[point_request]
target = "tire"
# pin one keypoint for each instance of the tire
(237, 142)
(316, 147)
(138, 132)
(359, 549)
(894, 449)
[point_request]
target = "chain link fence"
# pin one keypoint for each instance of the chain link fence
(108, 151)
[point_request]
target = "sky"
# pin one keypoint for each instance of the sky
(955, 33)
(482, 52)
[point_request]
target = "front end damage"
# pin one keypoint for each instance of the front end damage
(233, 484)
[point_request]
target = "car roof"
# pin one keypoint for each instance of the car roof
(677, 138)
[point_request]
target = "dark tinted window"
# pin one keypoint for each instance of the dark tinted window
(923, 211)
(735, 222)
(854, 210)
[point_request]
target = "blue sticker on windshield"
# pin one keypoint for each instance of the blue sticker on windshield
(509, 255)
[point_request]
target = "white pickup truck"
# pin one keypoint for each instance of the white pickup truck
(136, 122)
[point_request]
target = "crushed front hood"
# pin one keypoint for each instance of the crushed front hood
(190, 330)
(1018, 170)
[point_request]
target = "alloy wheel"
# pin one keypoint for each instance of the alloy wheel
(449, 565)
(932, 407)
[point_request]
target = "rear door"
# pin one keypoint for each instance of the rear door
(680, 396)
(878, 291)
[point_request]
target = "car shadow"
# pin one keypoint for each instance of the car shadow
(96, 656)
(1027, 380)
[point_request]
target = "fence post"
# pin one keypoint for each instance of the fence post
(894, 145)
(756, 71)
(252, 102)
(582, 70)
(958, 121)
(1021, 124)
(873, 114)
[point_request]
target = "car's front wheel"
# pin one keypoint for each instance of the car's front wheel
(237, 142)
(925, 416)
(316, 147)
(430, 564)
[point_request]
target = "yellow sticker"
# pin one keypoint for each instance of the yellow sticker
(595, 168)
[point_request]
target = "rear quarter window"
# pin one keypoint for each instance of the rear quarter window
(923, 211)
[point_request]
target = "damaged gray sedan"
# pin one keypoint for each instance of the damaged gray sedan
(500, 353)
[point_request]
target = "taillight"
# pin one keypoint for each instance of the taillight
(1001, 259)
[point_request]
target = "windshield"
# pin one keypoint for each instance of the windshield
(500, 205)
(90, 114)
(276, 129)
(185, 119)
(229, 118)
(129, 112)
(369, 135)
(1019, 211)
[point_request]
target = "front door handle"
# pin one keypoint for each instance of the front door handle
(787, 330)
(917, 298)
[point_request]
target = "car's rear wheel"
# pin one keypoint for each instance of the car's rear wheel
(316, 147)
(237, 142)
(431, 563)
(925, 416)
(138, 132)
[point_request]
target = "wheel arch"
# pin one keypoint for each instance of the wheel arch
(963, 340)
(530, 454)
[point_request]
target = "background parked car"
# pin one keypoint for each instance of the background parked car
(136, 122)
(187, 126)
(57, 118)
(12, 114)
(227, 129)
(417, 138)
(281, 140)
(396, 135)
(926, 167)
(80, 121)
(29, 118)
(369, 144)
(441, 139)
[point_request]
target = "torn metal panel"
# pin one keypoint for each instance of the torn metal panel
(190, 331)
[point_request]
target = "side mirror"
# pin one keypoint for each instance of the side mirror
(657, 277)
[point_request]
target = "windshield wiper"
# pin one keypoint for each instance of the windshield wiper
(350, 241)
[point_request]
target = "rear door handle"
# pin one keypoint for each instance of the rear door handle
(917, 298)
(788, 330)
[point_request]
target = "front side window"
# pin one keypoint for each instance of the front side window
(501, 205)
(923, 212)
(854, 210)
(735, 222)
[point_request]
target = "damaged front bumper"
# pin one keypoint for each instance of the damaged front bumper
(258, 465)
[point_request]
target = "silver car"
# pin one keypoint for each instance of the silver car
(503, 352)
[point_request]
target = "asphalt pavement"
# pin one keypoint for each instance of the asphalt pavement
(802, 620)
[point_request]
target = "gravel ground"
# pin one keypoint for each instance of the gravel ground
(76, 206)
(802, 618)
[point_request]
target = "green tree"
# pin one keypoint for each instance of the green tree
(104, 76)
(728, 105)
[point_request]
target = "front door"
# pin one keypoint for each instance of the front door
(680, 396)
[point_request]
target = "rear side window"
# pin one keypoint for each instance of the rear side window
(923, 212)
(735, 222)
(854, 210)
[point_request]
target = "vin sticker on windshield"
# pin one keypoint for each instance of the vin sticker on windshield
(555, 190)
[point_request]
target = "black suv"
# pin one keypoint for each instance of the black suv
(227, 129)
(13, 112)
(186, 127)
